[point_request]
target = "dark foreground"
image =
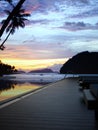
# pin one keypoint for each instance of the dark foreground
(57, 107)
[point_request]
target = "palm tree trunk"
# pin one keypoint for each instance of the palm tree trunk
(6, 39)
(18, 6)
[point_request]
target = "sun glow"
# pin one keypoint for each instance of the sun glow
(28, 65)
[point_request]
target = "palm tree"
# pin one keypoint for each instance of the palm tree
(15, 9)
(18, 20)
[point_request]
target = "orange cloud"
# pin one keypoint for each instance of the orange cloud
(30, 10)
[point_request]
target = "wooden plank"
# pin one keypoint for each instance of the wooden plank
(89, 99)
(94, 90)
(57, 107)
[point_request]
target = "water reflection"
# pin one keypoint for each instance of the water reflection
(9, 89)
(6, 85)
(16, 84)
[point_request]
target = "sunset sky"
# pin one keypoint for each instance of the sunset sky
(56, 30)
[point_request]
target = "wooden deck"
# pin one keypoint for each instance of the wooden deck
(58, 106)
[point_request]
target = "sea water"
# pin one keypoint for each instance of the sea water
(35, 77)
(16, 84)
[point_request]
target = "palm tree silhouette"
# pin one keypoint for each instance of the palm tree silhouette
(6, 23)
(18, 20)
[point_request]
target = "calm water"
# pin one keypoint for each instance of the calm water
(16, 84)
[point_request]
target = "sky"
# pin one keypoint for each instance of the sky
(56, 31)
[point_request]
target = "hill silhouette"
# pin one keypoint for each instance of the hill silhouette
(42, 71)
(82, 63)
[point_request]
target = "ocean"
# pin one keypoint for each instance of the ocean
(35, 77)
(17, 84)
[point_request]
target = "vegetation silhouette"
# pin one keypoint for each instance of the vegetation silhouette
(6, 85)
(6, 69)
(82, 63)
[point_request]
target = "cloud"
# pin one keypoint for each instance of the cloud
(39, 21)
(36, 51)
(56, 67)
(84, 1)
(87, 13)
(56, 11)
(77, 26)
(54, 28)
(31, 5)
(78, 2)
(54, 8)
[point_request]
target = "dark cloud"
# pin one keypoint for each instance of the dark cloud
(76, 26)
(40, 21)
(89, 13)
(80, 1)
(84, 1)
(77, 2)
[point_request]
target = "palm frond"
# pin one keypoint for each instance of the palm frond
(12, 30)
(22, 10)
(22, 24)
(18, 20)
(25, 15)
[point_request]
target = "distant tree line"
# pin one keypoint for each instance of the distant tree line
(6, 69)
